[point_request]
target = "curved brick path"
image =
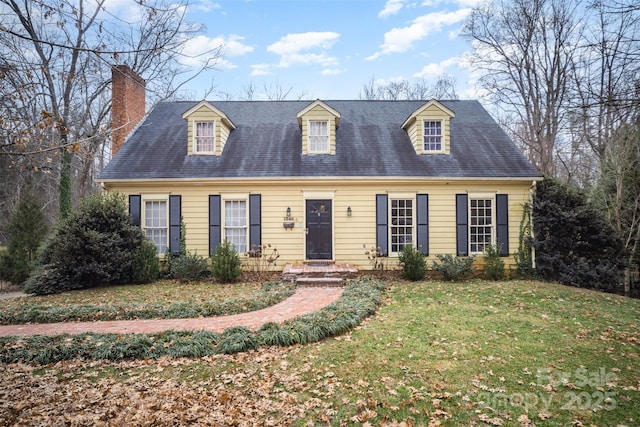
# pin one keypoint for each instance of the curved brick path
(305, 300)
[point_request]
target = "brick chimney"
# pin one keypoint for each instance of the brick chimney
(127, 104)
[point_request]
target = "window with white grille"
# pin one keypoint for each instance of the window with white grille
(235, 224)
(155, 223)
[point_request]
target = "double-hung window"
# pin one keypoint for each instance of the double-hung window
(204, 137)
(235, 224)
(155, 223)
(480, 224)
(401, 229)
(432, 135)
(318, 136)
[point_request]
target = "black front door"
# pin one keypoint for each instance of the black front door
(319, 229)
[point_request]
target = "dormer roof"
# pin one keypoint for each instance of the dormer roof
(321, 104)
(217, 112)
(430, 104)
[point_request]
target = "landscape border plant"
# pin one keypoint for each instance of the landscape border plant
(269, 294)
(189, 267)
(493, 263)
(359, 300)
(413, 262)
(226, 266)
(454, 268)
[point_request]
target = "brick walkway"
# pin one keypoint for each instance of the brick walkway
(305, 300)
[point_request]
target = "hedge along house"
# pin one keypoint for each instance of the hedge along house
(323, 181)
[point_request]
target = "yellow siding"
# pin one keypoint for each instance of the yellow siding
(352, 236)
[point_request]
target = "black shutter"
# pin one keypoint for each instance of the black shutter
(215, 231)
(382, 232)
(135, 209)
(422, 217)
(255, 227)
(175, 217)
(502, 220)
(462, 225)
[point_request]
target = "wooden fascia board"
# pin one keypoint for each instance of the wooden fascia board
(213, 109)
(322, 104)
(428, 104)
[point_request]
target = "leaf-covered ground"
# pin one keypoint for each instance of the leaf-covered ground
(477, 353)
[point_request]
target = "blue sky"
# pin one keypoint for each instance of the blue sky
(329, 49)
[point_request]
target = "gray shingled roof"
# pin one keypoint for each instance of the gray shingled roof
(267, 143)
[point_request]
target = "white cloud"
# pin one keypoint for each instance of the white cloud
(391, 7)
(293, 48)
(261, 70)
(202, 48)
(400, 40)
(331, 72)
(206, 5)
(435, 70)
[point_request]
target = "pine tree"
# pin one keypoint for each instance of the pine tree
(27, 230)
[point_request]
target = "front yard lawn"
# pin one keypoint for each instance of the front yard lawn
(514, 353)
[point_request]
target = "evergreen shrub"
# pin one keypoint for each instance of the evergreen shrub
(454, 268)
(188, 268)
(574, 243)
(226, 266)
(93, 246)
(493, 265)
(26, 230)
(146, 266)
(414, 265)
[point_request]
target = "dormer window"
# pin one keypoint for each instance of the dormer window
(318, 136)
(429, 128)
(318, 124)
(205, 137)
(208, 129)
(432, 136)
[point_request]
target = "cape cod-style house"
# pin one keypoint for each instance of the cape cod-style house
(323, 180)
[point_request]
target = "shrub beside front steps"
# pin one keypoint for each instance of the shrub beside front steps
(359, 300)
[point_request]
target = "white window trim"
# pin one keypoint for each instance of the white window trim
(442, 137)
(319, 119)
(235, 198)
(401, 196)
(195, 136)
(143, 214)
(481, 196)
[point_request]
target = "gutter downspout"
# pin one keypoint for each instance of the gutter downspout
(532, 191)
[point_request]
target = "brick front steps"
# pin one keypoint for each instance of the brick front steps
(323, 274)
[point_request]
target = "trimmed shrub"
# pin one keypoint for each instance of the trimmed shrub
(146, 266)
(454, 268)
(414, 265)
(493, 265)
(188, 268)
(95, 245)
(226, 266)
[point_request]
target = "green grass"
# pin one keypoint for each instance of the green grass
(480, 353)
(164, 299)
